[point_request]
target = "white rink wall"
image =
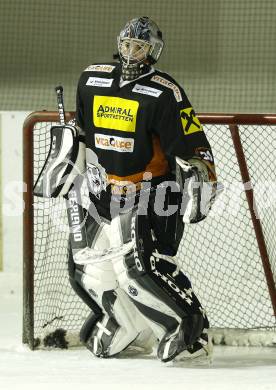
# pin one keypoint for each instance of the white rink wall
(11, 123)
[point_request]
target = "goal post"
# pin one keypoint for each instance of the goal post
(230, 257)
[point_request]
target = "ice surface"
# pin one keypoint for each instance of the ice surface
(233, 367)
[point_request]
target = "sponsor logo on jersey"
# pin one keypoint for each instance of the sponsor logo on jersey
(147, 90)
(111, 142)
(115, 113)
(99, 82)
(168, 84)
(189, 121)
(100, 68)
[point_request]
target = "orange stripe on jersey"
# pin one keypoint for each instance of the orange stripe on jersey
(158, 166)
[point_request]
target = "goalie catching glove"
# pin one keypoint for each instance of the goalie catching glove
(199, 192)
(65, 161)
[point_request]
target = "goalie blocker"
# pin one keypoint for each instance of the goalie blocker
(65, 161)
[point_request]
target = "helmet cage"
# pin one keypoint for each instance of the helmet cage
(133, 51)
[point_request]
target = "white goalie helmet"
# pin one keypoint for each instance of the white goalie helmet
(140, 42)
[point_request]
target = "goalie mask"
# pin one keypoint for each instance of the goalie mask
(139, 44)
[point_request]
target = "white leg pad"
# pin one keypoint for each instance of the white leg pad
(142, 296)
(99, 278)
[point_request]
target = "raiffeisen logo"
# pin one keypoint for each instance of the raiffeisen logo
(115, 113)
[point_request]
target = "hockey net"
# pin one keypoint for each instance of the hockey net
(230, 257)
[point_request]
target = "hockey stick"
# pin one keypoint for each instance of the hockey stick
(77, 228)
(76, 221)
(60, 102)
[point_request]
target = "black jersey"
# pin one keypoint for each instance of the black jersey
(139, 126)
